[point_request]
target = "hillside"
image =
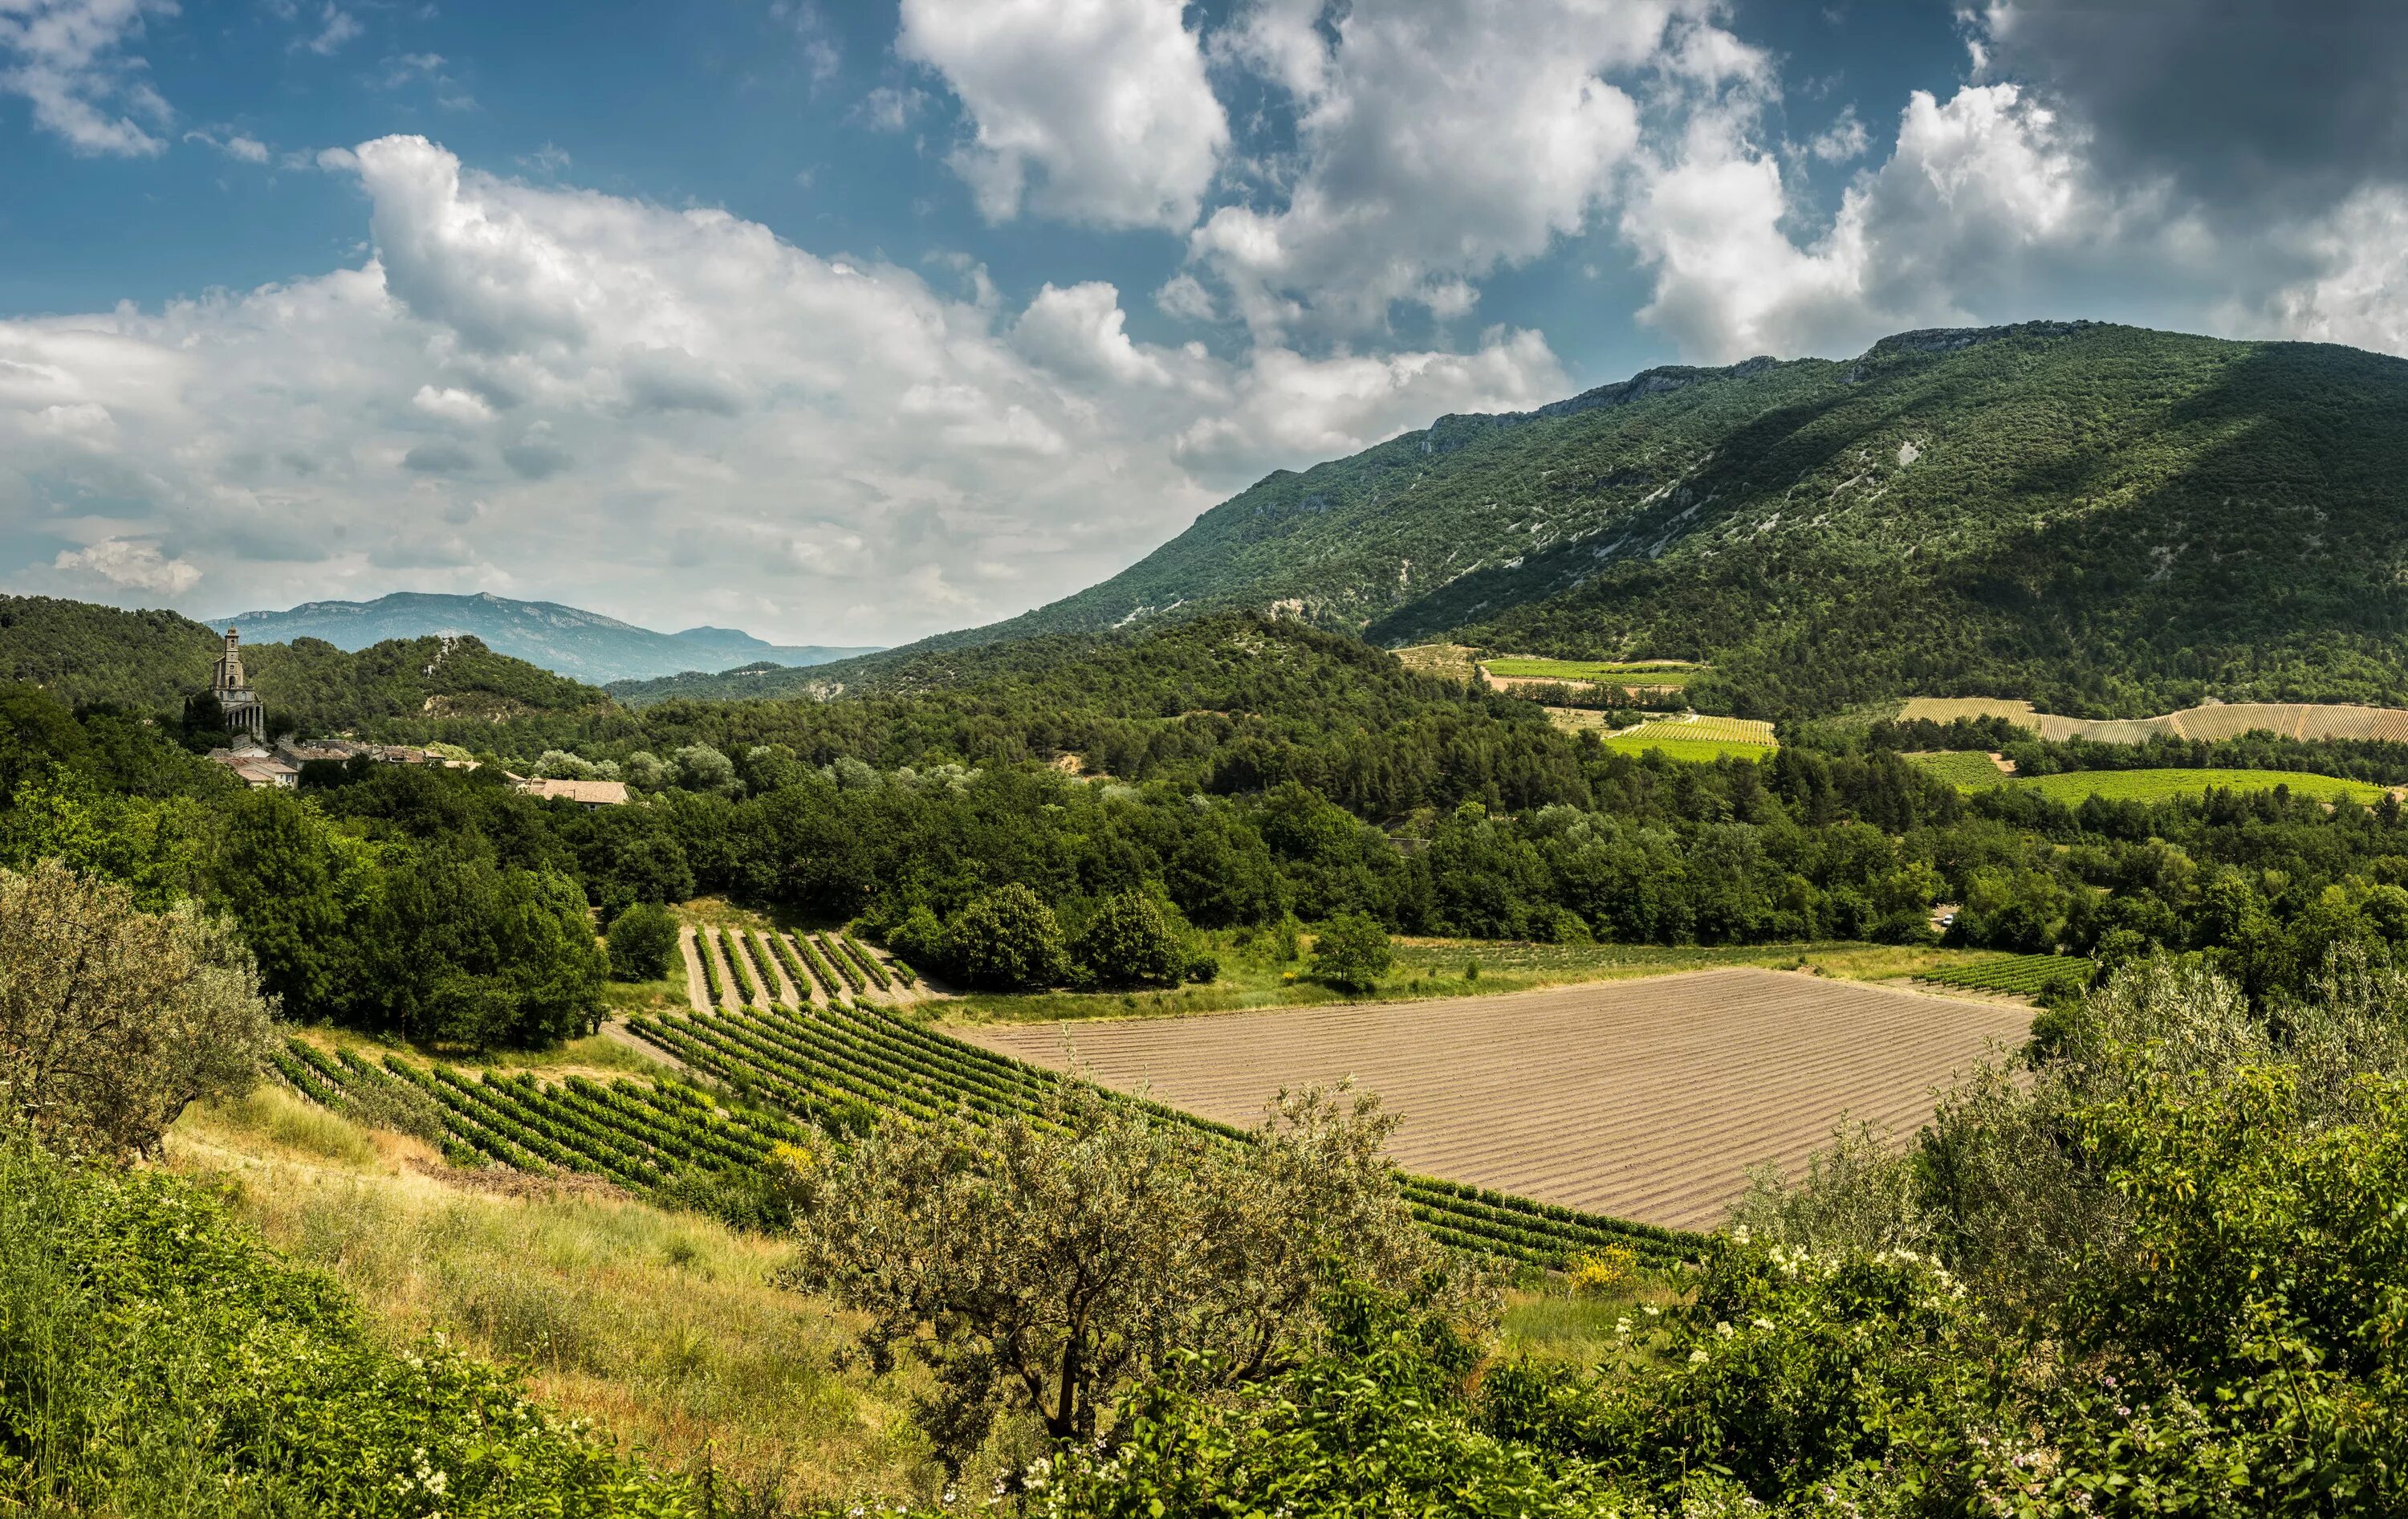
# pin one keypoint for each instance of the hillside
(150, 661)
(584, 645)
(2107, 520)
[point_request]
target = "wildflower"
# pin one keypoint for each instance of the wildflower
(1723, 1329)
(1760, 1324)
(1697, 1357)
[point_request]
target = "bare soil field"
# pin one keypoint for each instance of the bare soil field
(2218, 720)
(1646, 1099)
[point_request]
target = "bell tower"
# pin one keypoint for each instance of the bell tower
(228, 684)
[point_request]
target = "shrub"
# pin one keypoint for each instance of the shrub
(1130, 941)
(1006, 941)
(1351, 952)
(642, 940)
(113, 1020)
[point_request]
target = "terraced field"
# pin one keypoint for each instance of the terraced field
(1660, 675)
(1640, 1100)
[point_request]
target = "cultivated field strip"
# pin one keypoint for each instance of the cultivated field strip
(1639, 1100)
(638, 1134)
(850, 1064)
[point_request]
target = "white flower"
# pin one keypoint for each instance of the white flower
(1760, 1324)
(1697, 1357)
(1724, 1330)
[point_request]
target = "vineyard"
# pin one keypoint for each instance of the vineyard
(2075, 787)
(844, 1066)
(639, 1134)
(1672, 673)
(1967, 770)
(2021, 974)
(1696, 738)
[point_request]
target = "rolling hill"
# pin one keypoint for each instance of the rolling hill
(150, 661)
(2105, 520)
(582, 645)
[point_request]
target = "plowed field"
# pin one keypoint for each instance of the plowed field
(1646, 1099)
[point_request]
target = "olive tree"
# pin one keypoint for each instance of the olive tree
(113, 1020)
(1042, 1262)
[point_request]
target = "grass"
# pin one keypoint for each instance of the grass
(666, 1329)
(2076, 786)
(1604, 672)
(1688, 750)
(1436, 967)
(1552, 1323)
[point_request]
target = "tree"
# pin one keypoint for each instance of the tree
(113, 1020)
(1130, 941)
(1006, 939)
(1042, 1262)
(1351, 952)
(642, 938)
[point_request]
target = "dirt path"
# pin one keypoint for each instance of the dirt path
(786, 991)
(696, 989)
(1648, 1099)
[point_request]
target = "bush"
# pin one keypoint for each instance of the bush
(642, 940)
(158, 1360)
(113, 1020)
(1006, 941)
(1351, 952)
(1130, 941)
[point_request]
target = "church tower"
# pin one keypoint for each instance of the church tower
(243, 713)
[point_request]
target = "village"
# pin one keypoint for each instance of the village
(257, 761)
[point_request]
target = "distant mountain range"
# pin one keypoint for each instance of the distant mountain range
(2104, 519)
(585, 646)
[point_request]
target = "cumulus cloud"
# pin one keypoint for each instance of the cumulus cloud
(1980, 191)
(1094, 111)
(69, 60)
(133, 564)
(2357, 292)
(1435, 143)
(545, 391)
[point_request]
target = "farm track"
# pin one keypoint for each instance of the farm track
(1646, 1099)
(696, 995)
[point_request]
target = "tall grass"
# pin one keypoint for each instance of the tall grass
(664, 1328)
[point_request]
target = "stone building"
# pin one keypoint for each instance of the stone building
(231, 688)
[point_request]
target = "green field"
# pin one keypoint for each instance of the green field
(1590, 669)
(1966, 768)
(2075, 786)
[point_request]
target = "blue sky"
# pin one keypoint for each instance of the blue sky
(852, 323)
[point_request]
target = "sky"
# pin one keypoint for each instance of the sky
(848, 323)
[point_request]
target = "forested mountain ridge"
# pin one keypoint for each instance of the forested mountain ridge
(150, 661)
(2102, 519)
(566, 640)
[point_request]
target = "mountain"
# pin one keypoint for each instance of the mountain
(2105, 520)
(584, 645)
(150, 661)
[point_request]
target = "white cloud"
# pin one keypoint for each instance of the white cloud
(136, 565)
(671, 415)
(1077, 332)
(336, 27)
(67, 58)
(892, 108)
(2358, 294)
(1436, 142)
(1843, 141)
(1288, 406)
(234, 145)
(1093, 110)
(1980, 192)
